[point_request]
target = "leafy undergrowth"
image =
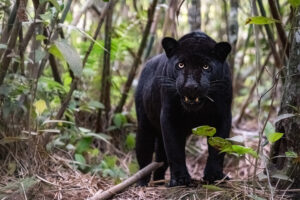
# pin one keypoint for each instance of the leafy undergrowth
(60, 178)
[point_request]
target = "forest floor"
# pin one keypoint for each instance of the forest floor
(61, 181)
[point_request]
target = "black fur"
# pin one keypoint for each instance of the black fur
(171, 100)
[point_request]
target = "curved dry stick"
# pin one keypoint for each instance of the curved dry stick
(101, 195)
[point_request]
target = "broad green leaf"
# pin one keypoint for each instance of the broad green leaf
(55, 52)
(119, 120)
(294, 3)
(204, 131)
(133, 167)
(93, 152)
(71, 56)
(96, 104)
(46, 17)
(79, 158)
(219, 143)
(273, 137)
(40, 106)
(240, 150)
(40, 37)
(212, 187)
(55, 4)
(83, 144)
(111, 161)
(291, 154)
(7, 140)
(130, 141)
(260, 20)
(100, 136)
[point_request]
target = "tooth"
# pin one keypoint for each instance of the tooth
(186, 99)
(197, 100)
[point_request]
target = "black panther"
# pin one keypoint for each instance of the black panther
(187, 86)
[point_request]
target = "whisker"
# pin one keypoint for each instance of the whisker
(218, 81)
(209, 98)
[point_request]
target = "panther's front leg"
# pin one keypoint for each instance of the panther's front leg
(214, 165)
(174, 139)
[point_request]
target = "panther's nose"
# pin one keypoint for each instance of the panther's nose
(191, 90)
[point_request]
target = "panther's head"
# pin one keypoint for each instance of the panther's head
(196, 66)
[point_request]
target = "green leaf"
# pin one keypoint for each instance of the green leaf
(100, 136)
(212, 187)
(40, 106)
(79, 158)
(55, 4)
(294, 3)
(46, 17)
(96, 104)
(204, 131)
(133, 167)
(260, 20)
(111, 161)
(273, 137)
(219, 143)
(130, 141)
(83, 144)
(241, 150)
(291, 154)
(40, 37)
(119, 120)
(55, 52)
(71, 56)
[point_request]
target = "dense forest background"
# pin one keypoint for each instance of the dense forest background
(68, 72)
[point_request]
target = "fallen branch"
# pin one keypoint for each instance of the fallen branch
(101, 195)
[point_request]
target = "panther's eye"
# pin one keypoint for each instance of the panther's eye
(205, 67)
(180, 65)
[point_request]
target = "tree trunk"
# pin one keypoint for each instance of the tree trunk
(195, 15)
(169, 28)
(290, 104)
(137, 60)
(233, 30)
(106, 74)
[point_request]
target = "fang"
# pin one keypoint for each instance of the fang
(186, 99)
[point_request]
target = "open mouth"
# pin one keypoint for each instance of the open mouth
(195, 103)
(191, 101)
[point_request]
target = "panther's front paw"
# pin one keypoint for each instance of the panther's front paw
(177, 181)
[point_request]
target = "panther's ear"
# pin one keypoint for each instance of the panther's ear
(221, 50)
(170, 45)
